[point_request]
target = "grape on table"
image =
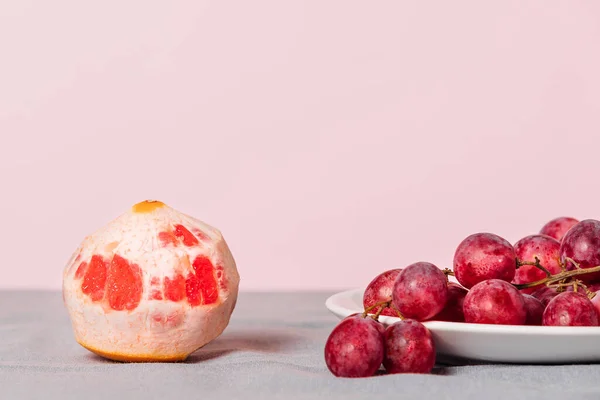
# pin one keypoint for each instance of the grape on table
(355, 347)
(409, 348)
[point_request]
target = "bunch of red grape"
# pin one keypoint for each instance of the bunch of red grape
(550, 278)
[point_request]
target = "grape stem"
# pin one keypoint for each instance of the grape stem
(558, 277)
(402, 317)
(382, 306)
(575, 263)
(562, 285)
(588, 292)
(536, 264)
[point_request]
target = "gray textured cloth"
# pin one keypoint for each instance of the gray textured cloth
(273, 348)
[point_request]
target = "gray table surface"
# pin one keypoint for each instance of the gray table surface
(273, 348)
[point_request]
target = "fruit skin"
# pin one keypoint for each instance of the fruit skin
(409, 348)
(380, 289)
(420, 291)
(570, 309)
(534, 309)
(151, 330)
(544, 294)
(484, 256)
(355, 347)
(582, 244)
(594, 286)
(453, 311)
(557, 227)
(546, 249)
(596, 302)
(494, 302)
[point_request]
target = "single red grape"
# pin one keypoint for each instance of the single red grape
(546, 249)
(534, 309)
(409, 348)
(420, 291)
(544, 294)
(582, 244)
(596, 302)
(557, 227)
(483, 256)
(355, 348)
(495, 302)
(380, 290)
(453, 311)
(570, 309)
(593, 287)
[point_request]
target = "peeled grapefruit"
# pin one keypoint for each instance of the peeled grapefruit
(154, 284)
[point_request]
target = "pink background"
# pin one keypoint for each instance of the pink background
(328, 140)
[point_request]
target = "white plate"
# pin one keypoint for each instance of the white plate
(494, 343)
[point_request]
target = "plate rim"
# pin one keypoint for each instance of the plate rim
(332, 306)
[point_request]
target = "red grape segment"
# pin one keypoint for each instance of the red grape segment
(596, 302)
(546, 249)
(557, 227)
(453, 311)
(420, 291)
(409, 348)
(582, 244)
(570, 309)
(495, 302)
(534, 309)
(544, 294)
(483, 256)
(380, 290)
